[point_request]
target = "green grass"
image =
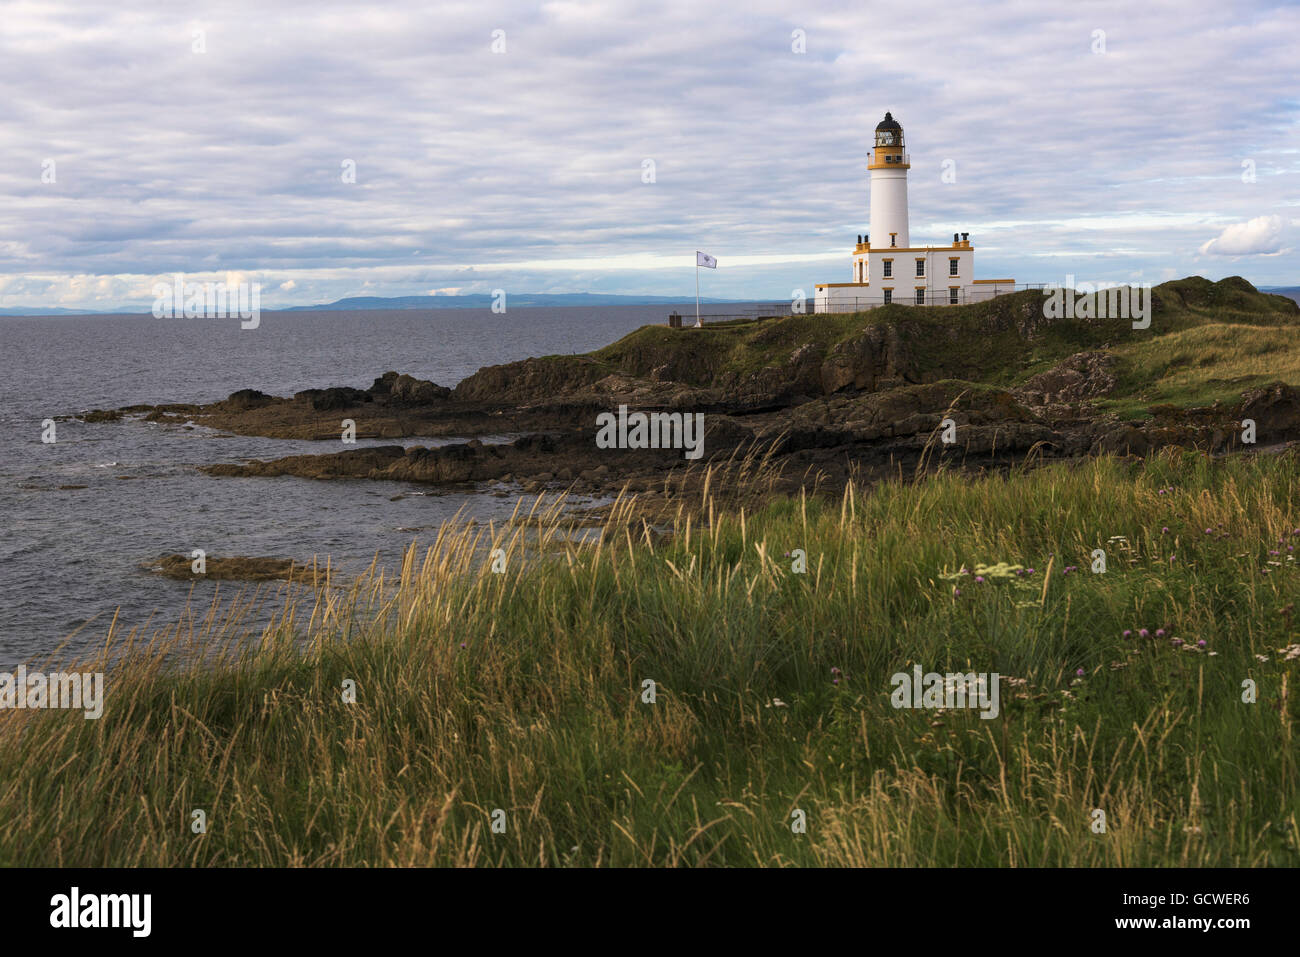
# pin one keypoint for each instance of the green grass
(1000, 342)
(522, 691)
(1202, 365)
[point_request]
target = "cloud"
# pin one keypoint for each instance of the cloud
(523, 170)
(1259, 236)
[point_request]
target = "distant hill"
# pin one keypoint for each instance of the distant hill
(513, 300)
(475, 301)
(48, 311)
(1291, 292)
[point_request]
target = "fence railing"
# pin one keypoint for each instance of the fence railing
(933, 297)
(928, 297)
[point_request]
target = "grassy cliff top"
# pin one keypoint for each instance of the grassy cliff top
(1206, 340)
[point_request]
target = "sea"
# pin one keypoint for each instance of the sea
(84, 515)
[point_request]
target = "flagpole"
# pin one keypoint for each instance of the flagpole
(697, 290)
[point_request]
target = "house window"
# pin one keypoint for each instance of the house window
(952, 295)
(920, 297)
(952, 266)
(920, 267)
(889, 268)
(889, 294)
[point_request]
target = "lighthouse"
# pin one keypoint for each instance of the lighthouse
(889, 165)
(886, 268)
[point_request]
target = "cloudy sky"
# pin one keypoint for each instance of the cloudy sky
(1109, 141)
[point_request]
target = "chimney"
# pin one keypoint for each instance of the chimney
(859, 239)
(965, 237)
(954, 239)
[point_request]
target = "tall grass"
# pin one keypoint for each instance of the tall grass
(522, 691)
(1215, 362)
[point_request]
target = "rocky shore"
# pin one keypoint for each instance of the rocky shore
(821, 397)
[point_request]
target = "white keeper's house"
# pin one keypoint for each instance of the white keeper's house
(887, 268)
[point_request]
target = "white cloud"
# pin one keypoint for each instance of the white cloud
(1261, 235)
(523, 170)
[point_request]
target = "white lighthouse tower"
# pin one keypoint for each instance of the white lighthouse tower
(887, 268)
(889, 165)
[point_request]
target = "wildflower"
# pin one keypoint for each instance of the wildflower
(1143, 633)
(1079, 672)
(980, 579)
(462, 644)
(1201, 643)
(1176, 642)
(1209, 531)
(1160, 632)
(956, 593)
(1272, 551)
(1029, 571)
(1165, 530)
(1128, 633)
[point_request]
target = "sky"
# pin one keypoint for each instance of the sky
(326, 150)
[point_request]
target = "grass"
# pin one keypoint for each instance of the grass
(1202, 365)
(522, 691)
(1001, 342)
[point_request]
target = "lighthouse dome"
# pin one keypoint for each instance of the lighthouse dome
(889, 132)
(888, 123)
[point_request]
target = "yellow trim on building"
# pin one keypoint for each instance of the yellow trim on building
(918, 249)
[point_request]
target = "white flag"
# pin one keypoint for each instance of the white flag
(704, 259)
